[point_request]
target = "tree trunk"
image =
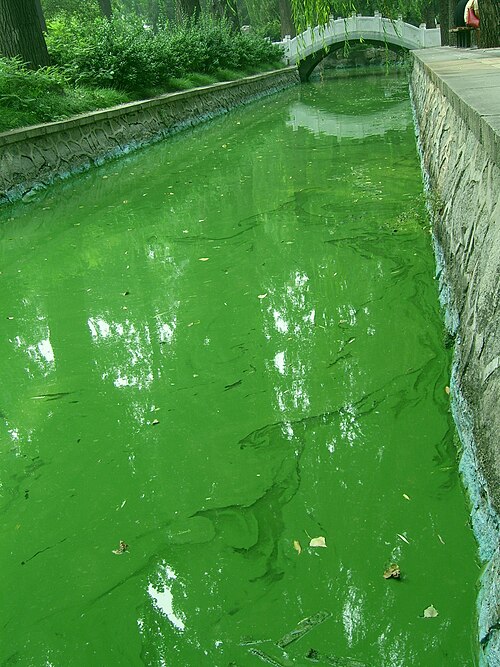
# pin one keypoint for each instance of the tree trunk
(232, 14)
(190, 8)
(430, 14)
(228, 9)
(446, 10)
(489, 24)
(153, 14)
(286, 18)
(41, 16)
(105, 6)
(21, 33)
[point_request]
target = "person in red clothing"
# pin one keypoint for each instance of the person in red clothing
(462, 10)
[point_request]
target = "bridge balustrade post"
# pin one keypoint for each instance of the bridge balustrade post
(421, 36)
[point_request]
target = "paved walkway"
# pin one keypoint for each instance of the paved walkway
(470, 79)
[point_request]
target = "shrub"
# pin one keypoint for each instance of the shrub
(129, 56)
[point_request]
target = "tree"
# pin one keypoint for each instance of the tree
(41, 16)
(286, 19)
(105, 6)
(21, 33)
(489, 23)
(446, 19)
(190, 8)
(227, 9)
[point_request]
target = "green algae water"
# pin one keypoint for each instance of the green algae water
(217, 353)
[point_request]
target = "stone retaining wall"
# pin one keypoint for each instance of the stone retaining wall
(34, 157)
(456, 95)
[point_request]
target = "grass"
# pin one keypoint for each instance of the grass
(32, 97)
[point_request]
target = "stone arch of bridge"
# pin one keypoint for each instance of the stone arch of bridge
(310, 47)
(309, 64)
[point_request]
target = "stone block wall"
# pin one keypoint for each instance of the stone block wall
(32, 158)
(460, 148)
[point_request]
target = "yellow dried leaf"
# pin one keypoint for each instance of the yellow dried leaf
(317, 542)
(123, 547)
(392, 572)
(406, 497)
(297, 547)
(203, 259)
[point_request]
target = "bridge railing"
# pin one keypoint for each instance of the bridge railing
(378, 28)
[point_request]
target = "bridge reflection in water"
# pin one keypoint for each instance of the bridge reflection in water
(345, 126)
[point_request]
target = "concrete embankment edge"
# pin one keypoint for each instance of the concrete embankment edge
(456, 97)
(34, 157)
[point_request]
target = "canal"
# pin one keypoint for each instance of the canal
(224, 403)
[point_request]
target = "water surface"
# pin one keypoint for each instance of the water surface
(216, 350)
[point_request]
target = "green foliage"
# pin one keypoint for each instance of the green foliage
(81, 8)
(128, 56)
(271, 30)
(28, 97)
(317, 12)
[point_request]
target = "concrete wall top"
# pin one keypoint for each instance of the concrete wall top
(33, 157)
(122, 110)
(470, 80)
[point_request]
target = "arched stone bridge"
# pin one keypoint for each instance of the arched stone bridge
(310, 47)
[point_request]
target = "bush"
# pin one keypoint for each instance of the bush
(101, 63)
(128, 56)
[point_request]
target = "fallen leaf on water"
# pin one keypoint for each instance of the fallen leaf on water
(440, 539)
(392, 572)
(447, 390)
(402, 537)
(262, 296)
(405, 496)
(121, 549)
(155, 421)
(296, 546)
(431, 612)
(317, 542)
(203, 259)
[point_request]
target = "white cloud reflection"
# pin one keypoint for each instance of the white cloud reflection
(163, 598)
